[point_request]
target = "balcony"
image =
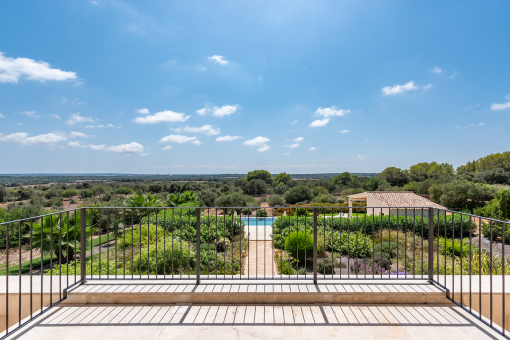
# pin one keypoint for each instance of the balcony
(191, 270)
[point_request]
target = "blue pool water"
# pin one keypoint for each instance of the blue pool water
(258, 220)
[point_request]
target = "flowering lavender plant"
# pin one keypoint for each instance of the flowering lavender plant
(360, 267)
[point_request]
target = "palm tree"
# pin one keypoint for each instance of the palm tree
(174, 200)
(57, 233)
(138, 200)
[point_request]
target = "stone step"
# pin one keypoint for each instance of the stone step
(240, 291)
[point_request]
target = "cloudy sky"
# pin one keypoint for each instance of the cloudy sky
(231, 86)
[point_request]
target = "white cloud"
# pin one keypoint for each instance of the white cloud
(146, 154)
(293, 146)
(481, 124)
(31, 114)
(359, 158)
(96, 147)
(227, 138)
(437, 70)
(11, 69)
(168, 147)
(410, 86)
(143, 111)
(295, 121)
(160, 117)
(312, 148)
(54, 116)
(344, 131)
(225, 110)
(130, 148)
(197, 142)
(2, 116)
(77, 119)
(177, 139)
(94, 2)
(330, 111)
(299, 139)
(23, 139)
(75, 134)
(503, 106)
(207, 129)
(219, 59)
(77, 144)
(319, 122)
(260, 142)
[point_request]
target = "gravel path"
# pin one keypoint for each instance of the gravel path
(497, 246)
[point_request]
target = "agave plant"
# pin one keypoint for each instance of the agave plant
(57, 234)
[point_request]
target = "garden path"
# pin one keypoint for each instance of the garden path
(260, 259)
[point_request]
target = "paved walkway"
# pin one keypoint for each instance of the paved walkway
(260, 259)
(185, 321)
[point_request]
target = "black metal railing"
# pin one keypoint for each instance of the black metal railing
(463, 253)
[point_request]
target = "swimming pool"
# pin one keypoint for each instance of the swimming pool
(260, 221)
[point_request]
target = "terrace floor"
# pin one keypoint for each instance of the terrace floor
(221, 321)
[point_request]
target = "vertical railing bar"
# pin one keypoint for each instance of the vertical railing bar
(67, 250)
(91, 248)
(124, 245)
(389, 241)
(398, 227)
(445, 257)
(99, 247)
(405, 242)
(306, 216)
(290, 231)
(453, 255)
(225, 245)
(414, 244)
(273, 262)
(461, 256)
(83, 246)
(364, 243)
(490, 266)
(340, 243)
(164, 244)
(357, 249)
(107, 244)
(422, 237)
(480, 267)
(373, 246)
(437, 242)
(75, 249)
(470, 262)
(189, 246)
(140, 212)
(133, 243)
(348, 243)
(430, 245)
(333, 260)
(315, 245)
(149, 243)
(503, 275)
(7, 226)
(51, 260)
(216, 239)
(59, 259)
(19, 275)
(156, 243)
(116, 239)
(248, 257)
(42, 260)
(31, 282)
(197, 212)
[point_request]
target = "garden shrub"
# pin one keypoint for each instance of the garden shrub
(382, 260)
(365, 268)
(325, 265)
(181, 258)
(390, 249)
(275, 200)
(457, 248)
(353, 244)
(302, 271)
(143, 236)
(299, 245)
(262, 213)
(497, 231)
(222, 244)
(284, 268)
(207, 247)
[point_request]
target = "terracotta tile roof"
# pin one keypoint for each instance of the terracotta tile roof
(402, 199)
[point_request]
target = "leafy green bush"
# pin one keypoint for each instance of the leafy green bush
(302, 271)
(275, 200)
(390, 249)
(325, 266)
(262, 213)
(298, 194)
(222, 244)
(285, 268)
(207, 247)
(497, 231)
(179, 259)
(456, 247)
(353, 244)
(299, 245)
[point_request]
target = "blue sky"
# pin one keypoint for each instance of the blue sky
(232, 86)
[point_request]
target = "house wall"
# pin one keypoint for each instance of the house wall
(372, 202)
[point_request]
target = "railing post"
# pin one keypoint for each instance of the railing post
(431, 245)
(314, 245)
(83, 245)
(198, 245)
